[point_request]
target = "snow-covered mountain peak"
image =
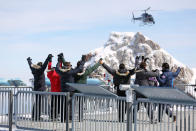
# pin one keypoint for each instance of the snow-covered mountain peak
(123, 47)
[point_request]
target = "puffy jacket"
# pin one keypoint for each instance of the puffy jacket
(82, 77)
(54, 79)
(39, 76)
(67, 76)
(143, 75)
(167, 77)
(119, 77)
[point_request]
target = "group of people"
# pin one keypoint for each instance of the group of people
(64, 73)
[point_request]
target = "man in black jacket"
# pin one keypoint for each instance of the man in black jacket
(39, 83)
(67, 74)
(120, 76)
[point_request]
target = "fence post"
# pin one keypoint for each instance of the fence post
(67, 110)
(10, 109)
(129, 116)
(129, 100)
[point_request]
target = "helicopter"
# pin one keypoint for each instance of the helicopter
(145, 17)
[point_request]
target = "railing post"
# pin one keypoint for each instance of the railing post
(67, 110)
(129, 116)
(10, 109)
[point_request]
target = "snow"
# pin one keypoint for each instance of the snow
(123, 47)
(194, 76)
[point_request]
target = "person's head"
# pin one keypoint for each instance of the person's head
(165, 66)
(143, 65)
(122, 66)
(39, 64)
(67, 65)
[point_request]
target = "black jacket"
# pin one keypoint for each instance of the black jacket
(39, 76)
(143, 75)
(120, 77)
(67, 76)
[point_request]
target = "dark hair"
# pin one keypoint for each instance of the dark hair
(67, 64)
(165, 65)
(143, 65)
(121, 66)
(39, 63)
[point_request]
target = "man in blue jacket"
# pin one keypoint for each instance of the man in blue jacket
(167, 77)
(166, 80)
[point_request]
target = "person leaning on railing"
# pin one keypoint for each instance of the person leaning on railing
(39, 83)
(120, 76)
(166, 80)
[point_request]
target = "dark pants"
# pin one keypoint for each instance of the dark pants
(37, 108)
(149, 109)
(148, 106)
(55, 106)
(163, 107)
(63, 110)
(122, 106)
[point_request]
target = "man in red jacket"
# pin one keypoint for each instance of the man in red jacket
(55, 87)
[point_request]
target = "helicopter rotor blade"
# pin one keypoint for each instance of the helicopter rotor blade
(148, 8)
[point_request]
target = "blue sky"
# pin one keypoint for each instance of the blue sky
(38, 27)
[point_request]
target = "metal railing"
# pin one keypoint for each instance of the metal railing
(188, 89)
(42, 110)
(15, 89)
(50, 111)
(6, 109)
(101, 113)
(164, 116)
(98, 113)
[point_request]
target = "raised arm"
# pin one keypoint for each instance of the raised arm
(175, 74)
(137, 62)
(46, 63)
(78, 69)
(91, 69)
(110, 70)
(61, 58)
(29, 60)
(132, 71)
(152, 74)
(58, 69)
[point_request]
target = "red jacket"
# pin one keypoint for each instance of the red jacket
(54, 79)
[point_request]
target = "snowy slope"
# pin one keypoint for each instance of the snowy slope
(194, 76)
(123, 47)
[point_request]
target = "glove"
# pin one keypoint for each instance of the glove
(29, 59)
(60, 55)
(84, 58)
(137, 57)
